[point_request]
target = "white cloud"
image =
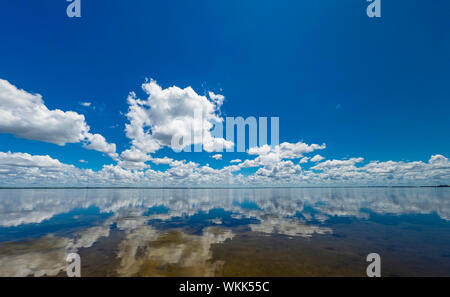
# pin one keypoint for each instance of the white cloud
(217, 156)
(273, 161)
(304, 160)
(317, 158)
(98, 143)
(165, 114)
(217, 99)
(338, 163)
(164, 160)
(286, 150)
(132, 165)
(134, 159)
(25, 115)
(259, 150)
(86, 104)
(21, 169)
(297, 150)
(23, 160)
(134, 155)
(439, 162)
(283, 170)
(173, 113)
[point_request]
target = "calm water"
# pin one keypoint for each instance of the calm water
(231, 232)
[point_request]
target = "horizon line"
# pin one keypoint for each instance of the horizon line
(245, 187)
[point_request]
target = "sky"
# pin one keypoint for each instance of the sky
(96, 100)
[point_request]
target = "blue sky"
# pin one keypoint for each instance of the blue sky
(371, 88)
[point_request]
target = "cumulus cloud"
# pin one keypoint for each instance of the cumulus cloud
(217, 157)
(259, 150)
(338, 163)
(303, 160)
(26, 160)
(164, 160)
(134, 155)
(25, 115)
(317, 158)
(98, 143)
(153, 124)
(439, 162)
(275, 162)
(297, 150)
(132, 165)
(217, 99)
(44, 170)
(174, 118)
(286, 150)
(23, 169)
(279, 171)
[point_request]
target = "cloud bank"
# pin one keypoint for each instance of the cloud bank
(22, 169)
(184, 115)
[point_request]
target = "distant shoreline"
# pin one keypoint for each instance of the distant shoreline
(212, 188)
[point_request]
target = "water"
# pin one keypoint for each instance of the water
(225, 232)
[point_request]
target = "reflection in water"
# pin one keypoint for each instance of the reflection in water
(46, 255)
(288, 227)
(145, 251)
(182, 231)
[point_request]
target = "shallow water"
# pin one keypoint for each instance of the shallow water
(225, 232)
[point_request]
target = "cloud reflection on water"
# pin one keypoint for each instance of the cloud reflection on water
(18, 207)
(149, 250)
